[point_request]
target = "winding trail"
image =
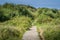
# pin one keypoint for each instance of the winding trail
(32, 34)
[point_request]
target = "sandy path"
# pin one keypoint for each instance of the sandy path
(32, 34)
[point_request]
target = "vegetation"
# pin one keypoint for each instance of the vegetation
(16, 19)
(49, 21)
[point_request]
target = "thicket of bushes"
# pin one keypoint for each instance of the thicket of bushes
(15, 16)
(50, 32)
(49, 21)
(16, 19)
(9, 33)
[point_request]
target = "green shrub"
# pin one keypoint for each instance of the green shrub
(52, 32)
(9, 33)
(43, 19)
(19, 21)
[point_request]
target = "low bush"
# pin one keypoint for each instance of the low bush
(9, 33)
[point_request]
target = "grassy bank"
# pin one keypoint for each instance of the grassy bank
(15, 19)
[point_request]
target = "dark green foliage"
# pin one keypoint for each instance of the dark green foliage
(25, 12)
(8, 5)
(53, 13)
(3, 17)
(9, 11)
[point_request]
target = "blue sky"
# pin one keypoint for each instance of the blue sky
(36, 3)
